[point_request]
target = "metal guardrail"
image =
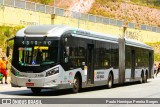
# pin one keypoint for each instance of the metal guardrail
(20, 4)
(9, 2)
(1, 1)
(62, 12)
(150, 28)
(49, 9)
(131, 25)
(40, 8)
(30, 6)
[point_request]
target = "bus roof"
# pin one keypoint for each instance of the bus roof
(42, 30)
(59, 30)
(131, 42)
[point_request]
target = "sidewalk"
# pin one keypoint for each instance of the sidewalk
(158, 76)
(6, 85)
(8, 80)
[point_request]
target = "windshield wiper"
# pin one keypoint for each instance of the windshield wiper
(47, 63)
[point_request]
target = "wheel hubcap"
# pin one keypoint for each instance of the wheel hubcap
(110, 82)
(75, 83)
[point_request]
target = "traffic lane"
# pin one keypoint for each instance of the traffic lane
(118, 91)
(28, 93)
(47, 92)
(129, 90)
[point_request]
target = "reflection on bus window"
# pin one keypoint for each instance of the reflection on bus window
(37, 55)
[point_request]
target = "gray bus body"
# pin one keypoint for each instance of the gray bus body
(70, 54)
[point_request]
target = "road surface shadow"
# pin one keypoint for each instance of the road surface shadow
(50, 92)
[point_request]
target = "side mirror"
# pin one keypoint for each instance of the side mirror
(66, 60)
(8, 51)
(83, 63)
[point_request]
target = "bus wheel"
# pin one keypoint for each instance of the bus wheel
(141, 79)
(146, 78)
(36, 90)
(76, 84)
(110, 81)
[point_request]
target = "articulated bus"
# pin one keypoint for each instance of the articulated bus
(62, 57)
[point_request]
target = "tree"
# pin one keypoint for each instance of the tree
(156, 2)
(147, 1)
(45, 1)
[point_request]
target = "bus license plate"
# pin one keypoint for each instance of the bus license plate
(29, 84)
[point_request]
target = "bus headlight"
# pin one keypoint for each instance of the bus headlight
(52, 71)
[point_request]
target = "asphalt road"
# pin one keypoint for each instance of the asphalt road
(151, 89)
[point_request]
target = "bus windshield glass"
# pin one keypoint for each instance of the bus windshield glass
(36, 55)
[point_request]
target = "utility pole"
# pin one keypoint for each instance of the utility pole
(54, 13)
(122, 51)
(79, 18)
(122, 56)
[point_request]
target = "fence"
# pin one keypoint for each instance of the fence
(80, 16)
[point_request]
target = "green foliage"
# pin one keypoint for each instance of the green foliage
(157, 57)
(7, 32)
(156, 47)
(150, 3)
(154, 3)
(46, 2)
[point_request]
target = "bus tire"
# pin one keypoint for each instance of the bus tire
(110, 81)
(146, 77)
(142, 78)
(36, 90)
(76, 84)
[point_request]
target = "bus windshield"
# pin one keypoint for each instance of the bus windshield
(36, 55)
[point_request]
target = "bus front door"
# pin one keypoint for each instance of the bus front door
(90, 64)
(133, 61)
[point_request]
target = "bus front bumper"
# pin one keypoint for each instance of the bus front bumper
(49, 82)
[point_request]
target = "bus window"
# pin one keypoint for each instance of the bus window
(66, 54)
(37, 55)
